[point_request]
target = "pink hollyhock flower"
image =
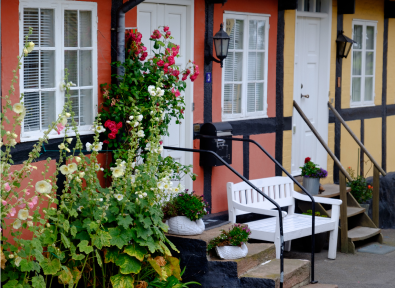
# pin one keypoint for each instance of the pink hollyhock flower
(34, 200)
(175, 72)
(144, 48)
(182, 111)
(106, 141)
(12, 212)
(4, 202)
(160, 63)
(27, 192)
(160, 142)
(7, 187)
(188, 72)
(184, 77)
(175, 92)
(59, 128)
(166, 28)
(171, 60)
(31, 205)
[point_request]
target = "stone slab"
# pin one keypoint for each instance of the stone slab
(377, 249)
(319, 285)
(207, 235)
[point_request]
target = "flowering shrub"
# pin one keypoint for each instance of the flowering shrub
(153, 106)
(311, 170)
(184, 204)
(236, 236)
(104, 236)
(360, 189)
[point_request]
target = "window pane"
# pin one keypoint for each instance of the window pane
(70, 28)
(86, 28)
(358, 36)
(260, 63)
(357, 63)
(318, 6)
(259, 97)
(252, 65)
(230, 29)
(30, 19)
(370, 37)
(251, 97)
(47, 69)
(252, 35)
(239, 34)
(70, 62)
(356, 89)
(237, 98)
(85, 68)
(261, 35)
(31, 101)
(228, 96)
(30, 70)
(368, 89)
(74, 97)
(47, 37)
(238, 67)
(307, 5)
(47, 108)
(369, 63)
(229, 66)
(86, 107)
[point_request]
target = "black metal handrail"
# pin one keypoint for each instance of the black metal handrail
(255, 188)
(294, 180)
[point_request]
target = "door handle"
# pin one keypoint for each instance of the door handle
(305, 96)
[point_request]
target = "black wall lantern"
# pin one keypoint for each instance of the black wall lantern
(344, 45)
(221, 43)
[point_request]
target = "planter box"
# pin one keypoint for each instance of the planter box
(232, 252)
(181, 225)
(312, 185)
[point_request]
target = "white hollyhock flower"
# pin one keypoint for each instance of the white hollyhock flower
(145, 194)
(136, 124)
(166, 186)
(23, 214)
(130, 117)
(133, 164)
(101, 199)
(97, 146)
(176, 189)
(151, 88)
(78, 159)
(69, 140)
(133, 178)
(160, 185)
(64, 169)
(97, 167)
(88, 146)
(61, 146)
(68, 114)
(127, 121)
(25, 52)
(118, 172)
(63, 121)
(17, 224)
(30, 223)
(139, 117)
(80, 208)
(43, 187)
(18, 261)
(119, 197)
(140, 196)
(161, 92)
(148, 146)
(162, 116)
(100, 129)
(82, 174)
(160, 149)
(140, 134)
(12, 142)
(72, 167)
(152, 93)
(18, 108)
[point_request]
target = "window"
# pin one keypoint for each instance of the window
(363, 63)
(64, 34)
(309, 5)
(244, 76)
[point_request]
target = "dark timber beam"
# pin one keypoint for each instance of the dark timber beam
(346, 7)
(287, 5)
(389, 9)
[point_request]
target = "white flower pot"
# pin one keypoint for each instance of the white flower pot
(232, 252)
(181, 225)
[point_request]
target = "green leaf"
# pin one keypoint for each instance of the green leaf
(128, 264)
(65, 276)
(136, 251)
(98, 257)
(50, 267)
(73, 231)
(26, 266)
(65, 240)
(111, 254)
(39, 256)
(78, 256)
(118, 239)
(38, 282)
(143, 232)
(83, 245)
(101, 239)
(145, 220)
(10, 284)
(66, 225)
(124, 221)
(122, 281)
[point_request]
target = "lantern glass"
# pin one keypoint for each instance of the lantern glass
(218, 48)
(343, 45)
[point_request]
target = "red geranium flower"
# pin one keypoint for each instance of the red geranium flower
(106, 141)
(119, 125)
(307, 159)
(111, 136)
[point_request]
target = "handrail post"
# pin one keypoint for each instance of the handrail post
(376, 196)
(343, 214)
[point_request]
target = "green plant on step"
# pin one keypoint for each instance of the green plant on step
(236, 236)
(310, 212)
(360, 189)
(184, 204)
(171, 282)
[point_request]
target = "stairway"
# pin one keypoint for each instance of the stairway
(258, 269)
(360, 226)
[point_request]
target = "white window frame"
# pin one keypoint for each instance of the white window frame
(59, 7)
(244, 114)
(364, 103)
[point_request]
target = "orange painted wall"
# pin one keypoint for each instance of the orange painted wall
(260, 165)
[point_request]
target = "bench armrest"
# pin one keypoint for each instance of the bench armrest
(258, 210)
(322, 200)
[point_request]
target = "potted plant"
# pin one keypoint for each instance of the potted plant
(184, 213)
(311, 176)
(231, 244)
(360, 189)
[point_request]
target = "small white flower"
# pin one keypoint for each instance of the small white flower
(12, 142)
(140, 196)
(61, 146)
(43, 187)
(119, 197)
(130, 117)
(160, 149)
(127, 121)
(97, 167)
(100, 129)
(133, 164)
(133, 178)
(82, 174)
(67, 149)
(166, 186)
(148, 146)
(118, 172)
(30, 223)
(72, 167)
(97, 146)
(80, 208)
(160, 185)
(18, 261)
(68, 114)
(64, 169)
(101, 169)
(17, 224)
(78, 159)
(11, 256)
(69, 140)
(23, 214)
(145, 194)
(101, 199)
(152, 93)
(88, 146)
(78, 180)
(140, 134)
(139, 117)
(18, 108)
(151, 88)
(162, 116)
(161, 92)
(48, 225)
(136, 124)
(25, 52)
(176, 189)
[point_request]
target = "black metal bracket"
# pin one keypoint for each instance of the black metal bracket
(208, 56)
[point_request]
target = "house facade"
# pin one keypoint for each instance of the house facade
(280, 52)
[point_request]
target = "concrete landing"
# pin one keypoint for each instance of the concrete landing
(318, 285)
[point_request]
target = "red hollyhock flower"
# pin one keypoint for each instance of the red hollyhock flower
(106, 141)
(107, 122)
(114, 131)
(166, 28)
(119, 125)
(307, 159)
(111, 125)
(111, 136)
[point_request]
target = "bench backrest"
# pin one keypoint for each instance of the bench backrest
(280, 189)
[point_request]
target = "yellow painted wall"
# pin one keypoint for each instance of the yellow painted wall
(390, 144)
(287, 150)
(373, 142)
(332, 82)
(289, 55)
(364, 10)
(391, 66)
(331, 144)
(349, 148)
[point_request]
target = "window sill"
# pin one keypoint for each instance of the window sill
(362, 105)
(240, 118)
(54, 136)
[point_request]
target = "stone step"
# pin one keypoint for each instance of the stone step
(331, 190)
(351, 211)
(296, 273)
(319, 285)
(361, 233)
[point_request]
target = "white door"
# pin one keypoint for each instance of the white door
(150, 17)
(306, 92)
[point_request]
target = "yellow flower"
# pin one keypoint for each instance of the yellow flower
(23, 214)
(43, 187)
(18, 108)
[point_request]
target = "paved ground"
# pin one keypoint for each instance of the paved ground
(362, 270)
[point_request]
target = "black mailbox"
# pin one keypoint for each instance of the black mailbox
(223, 147)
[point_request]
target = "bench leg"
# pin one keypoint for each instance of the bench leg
(332, 243)
(287, 245)
(278, 248)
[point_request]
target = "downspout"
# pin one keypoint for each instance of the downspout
(121, 30)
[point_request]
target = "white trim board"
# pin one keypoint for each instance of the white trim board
(246, 13)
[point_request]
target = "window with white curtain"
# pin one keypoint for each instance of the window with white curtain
(244, 76)
(363, 63)
(64, 34)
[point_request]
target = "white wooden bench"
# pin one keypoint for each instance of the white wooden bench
(242, 199)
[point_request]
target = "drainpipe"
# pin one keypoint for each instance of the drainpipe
(121, 30)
